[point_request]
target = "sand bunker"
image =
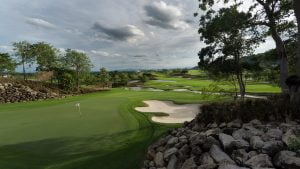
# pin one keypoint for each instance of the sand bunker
(177, 113)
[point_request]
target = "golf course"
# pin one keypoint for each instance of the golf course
(109, 134)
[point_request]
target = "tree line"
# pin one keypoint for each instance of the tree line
(69, 69)
(232, 33)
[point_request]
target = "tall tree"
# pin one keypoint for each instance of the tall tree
(7, 64)
(272, 15)
(229, 38)
(79, 62)
(46, 56)
(297, 13)
(23, 51)
(104, 76)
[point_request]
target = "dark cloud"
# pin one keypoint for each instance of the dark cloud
(124, 33)
(164, 16)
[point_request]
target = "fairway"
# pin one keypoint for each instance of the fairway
(207, 85)
(110, 134)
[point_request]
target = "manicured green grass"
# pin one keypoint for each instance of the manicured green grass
(208, 85)
(195, 72)
(109, 135)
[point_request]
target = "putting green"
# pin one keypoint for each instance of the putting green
(110, 134)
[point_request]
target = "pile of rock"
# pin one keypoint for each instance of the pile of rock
(14, 92)
(234, 145)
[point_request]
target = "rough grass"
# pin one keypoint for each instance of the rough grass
(110, 134)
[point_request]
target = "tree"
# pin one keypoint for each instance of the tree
(229, 37)
(273, 18)
(46, 56)
(79, 62)
(23, 51)
(104, 76)
(7, 64)
(297, 13)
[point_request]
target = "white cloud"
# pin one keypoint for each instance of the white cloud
(165, 16)
(40, 23)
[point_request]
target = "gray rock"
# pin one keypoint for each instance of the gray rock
(207, 166)
(241, 134)
(205, 158)
(197, 139)
(256, 143)
(226, 141)
(189, 164)
(235, 124)
(159, 159)
(168, 153)
(261, 160)
(274, 134)
(172, 162)
(272, 147)
(241, 144)
(209, 142)
(213, 132)
(254, 131)
(230, 166)
(219, 156)
(287, 159)
(184, 152)
(222, 125)
(173, 141)
(196, 150)
(255, 122)
(240, 156)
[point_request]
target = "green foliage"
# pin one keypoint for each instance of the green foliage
(274, 109)
(294, 144)
(7, 64)
(46, 56)
(66, 81)
(104, 76)
(79, 62)
(23, 50)
(144, 78)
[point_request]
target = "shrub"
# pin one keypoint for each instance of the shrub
(294, 144)
(276, 108)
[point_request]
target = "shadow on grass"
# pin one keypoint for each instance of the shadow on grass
(123, 150)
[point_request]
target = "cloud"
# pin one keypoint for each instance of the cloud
(165, 16)
(140, 56)
(40, 23)
(98, 52)
(128, 33)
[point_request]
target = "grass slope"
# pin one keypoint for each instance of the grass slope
(109, 135)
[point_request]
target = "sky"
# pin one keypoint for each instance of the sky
(115, 34)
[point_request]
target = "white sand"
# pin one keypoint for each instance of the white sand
(177, 113)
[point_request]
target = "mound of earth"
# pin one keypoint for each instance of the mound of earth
(233, 145)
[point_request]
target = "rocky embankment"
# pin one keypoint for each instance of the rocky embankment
(14, 92)
(234, 145)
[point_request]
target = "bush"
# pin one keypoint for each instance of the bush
(67, 81)
(294, 144)
(276, 108)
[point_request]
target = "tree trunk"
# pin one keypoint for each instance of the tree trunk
(239, 75)
(77, 80)
(24, 71)
(281, 52)
(297, 13)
